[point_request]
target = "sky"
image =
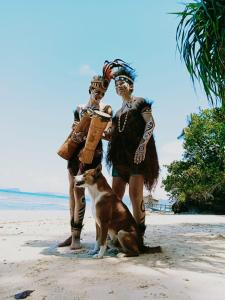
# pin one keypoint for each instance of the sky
(49, 51)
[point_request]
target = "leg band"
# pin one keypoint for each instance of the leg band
(141, 228)
(76, 226)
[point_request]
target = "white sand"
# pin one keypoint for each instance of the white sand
(192, 265)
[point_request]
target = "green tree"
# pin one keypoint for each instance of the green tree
(198, 180)
(201, 42)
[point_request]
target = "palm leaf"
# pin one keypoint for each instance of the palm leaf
(200, 39)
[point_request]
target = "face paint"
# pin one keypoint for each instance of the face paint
(98, 88)
(122, 87)
(96, 94)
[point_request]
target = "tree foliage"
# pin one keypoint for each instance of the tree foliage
(198, 180)
(201, 42)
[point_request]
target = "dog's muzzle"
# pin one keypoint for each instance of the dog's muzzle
(79, 183)
(79, 180)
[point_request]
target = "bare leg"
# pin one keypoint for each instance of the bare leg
(77, 217)
(136, 185)
(77, 210)
(118, 187)
(68, 241)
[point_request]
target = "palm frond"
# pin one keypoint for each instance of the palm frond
(200, 39)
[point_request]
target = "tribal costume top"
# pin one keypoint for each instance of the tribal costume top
(123, 145)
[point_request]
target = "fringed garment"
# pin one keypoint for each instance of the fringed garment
(123, 145)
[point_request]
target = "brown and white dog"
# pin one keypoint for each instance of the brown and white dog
(112, 217)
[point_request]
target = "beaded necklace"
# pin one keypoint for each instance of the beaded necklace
(129, 105)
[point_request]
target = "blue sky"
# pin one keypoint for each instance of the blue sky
(50, 50)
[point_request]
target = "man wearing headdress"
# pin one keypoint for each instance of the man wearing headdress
(97, 89)
(132, 151)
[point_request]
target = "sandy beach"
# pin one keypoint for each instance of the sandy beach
(192, 265)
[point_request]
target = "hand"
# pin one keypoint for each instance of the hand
(140, 153)
(78, 137)
(74, 125)
(95, 98)
(83, 112)
(108, 70)
(107, 134)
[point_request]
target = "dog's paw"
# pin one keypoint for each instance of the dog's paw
(93, 251)
(98, 256)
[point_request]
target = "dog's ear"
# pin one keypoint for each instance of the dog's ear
(98, 170)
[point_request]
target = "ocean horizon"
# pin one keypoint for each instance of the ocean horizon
(14, 199)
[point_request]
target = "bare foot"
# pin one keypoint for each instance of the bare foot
(75, 245)
(66, 243)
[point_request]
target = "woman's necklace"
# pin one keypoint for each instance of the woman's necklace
(129, 106)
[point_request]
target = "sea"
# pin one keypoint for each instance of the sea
(14, 199)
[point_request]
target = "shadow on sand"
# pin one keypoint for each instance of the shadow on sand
(193, 247)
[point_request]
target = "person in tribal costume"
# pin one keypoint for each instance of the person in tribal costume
(132, 151)
(98, 87)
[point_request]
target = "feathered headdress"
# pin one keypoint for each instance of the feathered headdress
(118, 69)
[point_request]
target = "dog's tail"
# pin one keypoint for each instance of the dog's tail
(147, 249)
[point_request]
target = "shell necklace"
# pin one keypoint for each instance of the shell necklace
(129, 106)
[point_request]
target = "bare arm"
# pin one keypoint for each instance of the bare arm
(107, 132)
(149, 127)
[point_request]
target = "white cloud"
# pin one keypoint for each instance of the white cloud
(159, 192)
(86, 70)
(170, 152)
(167, 153)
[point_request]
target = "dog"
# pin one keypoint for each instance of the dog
(112, 217)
